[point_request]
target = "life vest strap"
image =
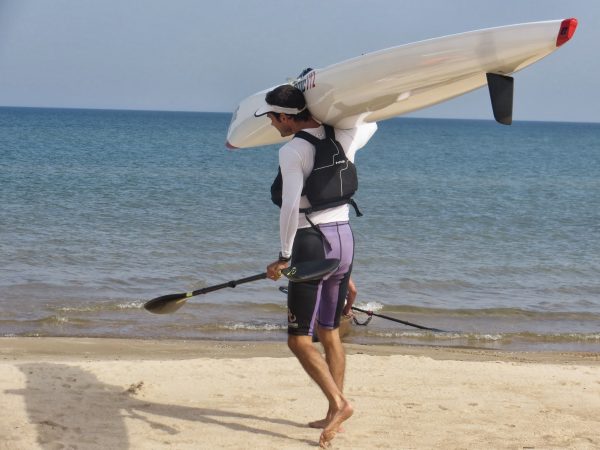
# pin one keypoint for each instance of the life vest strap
(349, 201)
(308, 211)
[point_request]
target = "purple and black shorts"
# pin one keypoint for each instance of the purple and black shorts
(320, 302)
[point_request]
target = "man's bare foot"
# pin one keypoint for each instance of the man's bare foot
(331, 429)
(322, 424)
(318, 423)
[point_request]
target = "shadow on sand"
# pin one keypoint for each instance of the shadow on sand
(92, 413)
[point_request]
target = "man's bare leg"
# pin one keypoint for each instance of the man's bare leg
(317, 368)
(335, 357)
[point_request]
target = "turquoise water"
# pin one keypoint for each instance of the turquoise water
(488, 231)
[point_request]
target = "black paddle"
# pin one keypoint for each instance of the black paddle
(371, 313)
(306, 271)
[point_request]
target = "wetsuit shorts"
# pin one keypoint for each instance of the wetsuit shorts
(321, 301)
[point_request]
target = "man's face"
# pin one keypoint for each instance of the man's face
(282, 123)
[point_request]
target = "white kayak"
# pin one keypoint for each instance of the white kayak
(395, 81)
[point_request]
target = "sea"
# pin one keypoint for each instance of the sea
(488, 232)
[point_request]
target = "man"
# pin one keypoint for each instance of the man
(316, 235)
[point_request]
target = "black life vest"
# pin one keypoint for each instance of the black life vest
(333, 179)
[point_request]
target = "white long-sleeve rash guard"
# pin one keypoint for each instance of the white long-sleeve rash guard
(296, 159)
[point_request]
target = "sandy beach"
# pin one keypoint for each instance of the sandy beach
(132, 394)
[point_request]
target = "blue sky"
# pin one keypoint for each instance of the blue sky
(191, 55)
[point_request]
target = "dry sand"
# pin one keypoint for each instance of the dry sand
(66, 393)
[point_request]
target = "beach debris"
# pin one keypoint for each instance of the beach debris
(134, 388)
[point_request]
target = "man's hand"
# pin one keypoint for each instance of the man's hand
(274, 269)
(350, 297)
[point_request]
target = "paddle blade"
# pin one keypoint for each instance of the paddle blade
(311, 270)
(166, 304)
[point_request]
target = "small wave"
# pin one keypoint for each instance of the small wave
(57, 320)
(276, 308)
(68, 309)
(489, 337)
(98, 307)
(252, 327)
(231, 326)
(558, 337)
(370, 306)
(136, 304)
(428, 335)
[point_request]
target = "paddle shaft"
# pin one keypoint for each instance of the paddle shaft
(206, 290)
(371, 313)
(306, 270)
(231, 284)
